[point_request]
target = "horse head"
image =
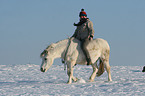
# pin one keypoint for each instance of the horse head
(47, 59)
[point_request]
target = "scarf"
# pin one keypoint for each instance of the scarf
(82, 21)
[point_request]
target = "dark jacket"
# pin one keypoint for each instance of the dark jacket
(84, 30)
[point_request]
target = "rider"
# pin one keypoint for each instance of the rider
(84, 32)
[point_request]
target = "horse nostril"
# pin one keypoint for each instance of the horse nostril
(42, 70)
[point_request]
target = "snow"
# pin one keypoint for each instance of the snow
(27, 80)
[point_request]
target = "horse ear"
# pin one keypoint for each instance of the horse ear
(43, 53)
(52, 45)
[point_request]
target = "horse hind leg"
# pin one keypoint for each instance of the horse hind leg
(95, 70)
(104, 63)
(107, 67)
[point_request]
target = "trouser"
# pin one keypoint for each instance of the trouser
(84, 44)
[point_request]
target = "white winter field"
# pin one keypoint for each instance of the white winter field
(27, 80)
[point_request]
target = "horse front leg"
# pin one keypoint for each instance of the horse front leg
(95, 70)
(70, 73)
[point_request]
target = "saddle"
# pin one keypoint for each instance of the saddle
(69, 48)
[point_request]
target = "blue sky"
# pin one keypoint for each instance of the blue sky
(27, 27)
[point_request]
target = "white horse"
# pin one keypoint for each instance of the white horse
(70, 51)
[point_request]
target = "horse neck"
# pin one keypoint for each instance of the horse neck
(60, 48)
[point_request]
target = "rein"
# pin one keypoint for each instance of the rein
(65, 55)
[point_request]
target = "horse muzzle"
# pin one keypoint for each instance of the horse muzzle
(43, 70)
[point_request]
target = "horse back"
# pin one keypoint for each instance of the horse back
(96, 47)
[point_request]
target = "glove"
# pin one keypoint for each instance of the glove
(90, 37)
(75, 24)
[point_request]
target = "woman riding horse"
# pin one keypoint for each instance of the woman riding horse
(84, 32)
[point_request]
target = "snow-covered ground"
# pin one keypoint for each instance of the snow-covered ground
(27, 80)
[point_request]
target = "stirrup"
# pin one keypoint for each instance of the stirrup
(89, 63)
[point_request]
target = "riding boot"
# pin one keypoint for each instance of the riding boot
(88, 61)
(84, 44)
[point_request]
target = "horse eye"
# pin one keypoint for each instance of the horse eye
(45, 59)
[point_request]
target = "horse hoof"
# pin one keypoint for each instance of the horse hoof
(110, 80)
(68, 83)
(91, 80)
(75, 80)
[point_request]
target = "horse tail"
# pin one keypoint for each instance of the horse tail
(101, 68)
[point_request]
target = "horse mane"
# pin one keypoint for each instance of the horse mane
(51, 46)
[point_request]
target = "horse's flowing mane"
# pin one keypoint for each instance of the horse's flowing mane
(53, 45)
